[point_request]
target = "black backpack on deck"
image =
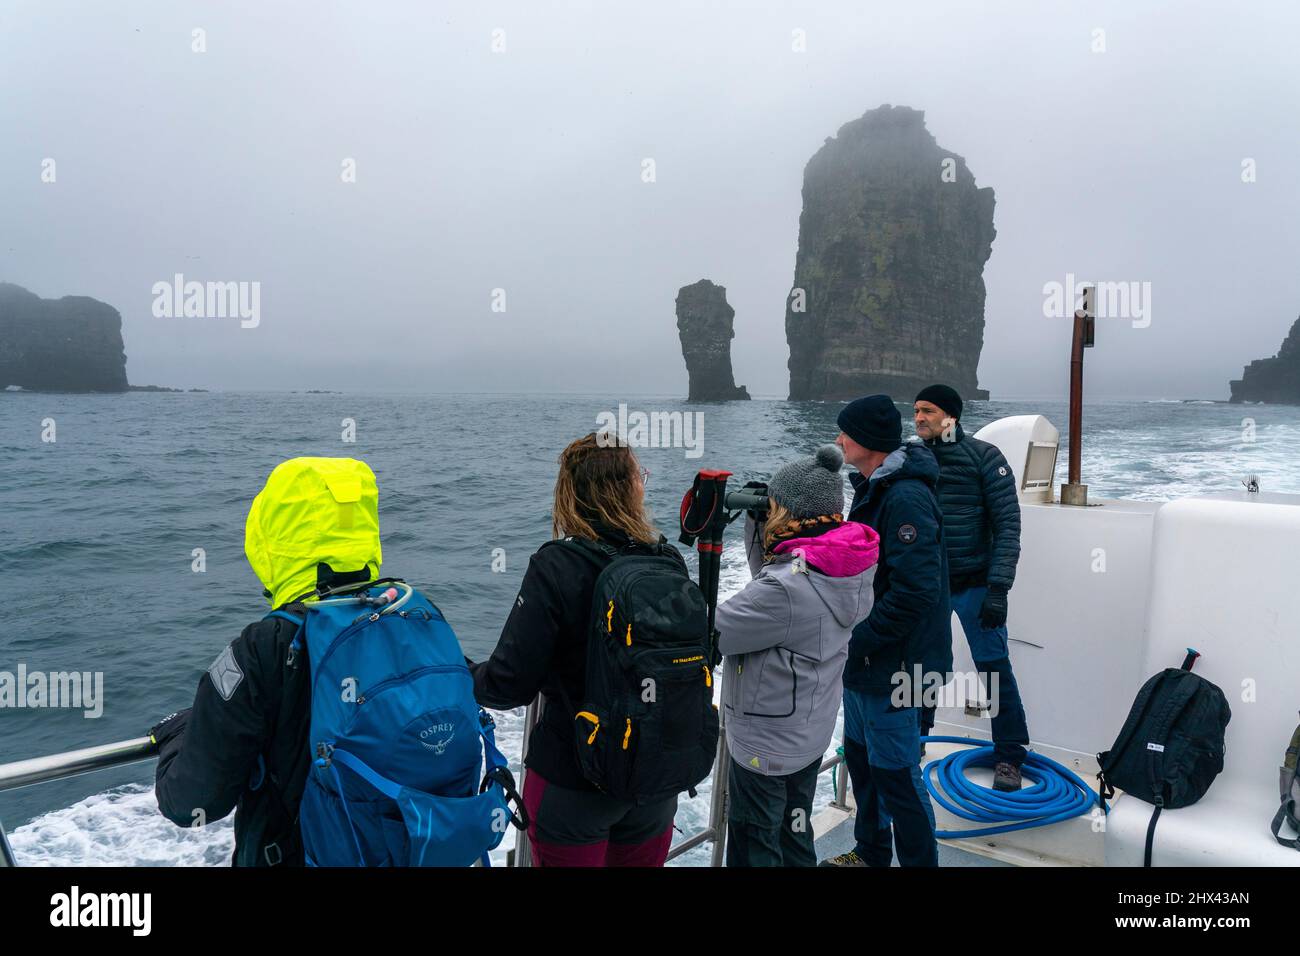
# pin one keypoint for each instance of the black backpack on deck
(1288, 786)
(1171, 747)
(647, 728)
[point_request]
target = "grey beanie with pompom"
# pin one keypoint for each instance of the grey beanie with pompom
(811, 487)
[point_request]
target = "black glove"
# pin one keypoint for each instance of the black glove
(171, 726)
(993, 612)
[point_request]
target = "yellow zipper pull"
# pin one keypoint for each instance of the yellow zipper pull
(595, 720)
(708, 678)
(629, 633)
(627, 734)
(609, 618)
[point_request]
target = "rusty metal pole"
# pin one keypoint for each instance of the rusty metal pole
(1074, 492)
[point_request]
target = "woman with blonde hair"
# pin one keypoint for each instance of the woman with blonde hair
(599, 500)
(785, 638)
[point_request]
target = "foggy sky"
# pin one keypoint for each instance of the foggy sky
(521, 170)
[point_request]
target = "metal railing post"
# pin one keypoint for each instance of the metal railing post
(842, 784)
(523, 852)
(718, 798)
(6, 852)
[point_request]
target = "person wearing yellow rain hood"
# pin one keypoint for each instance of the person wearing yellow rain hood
(243, 743)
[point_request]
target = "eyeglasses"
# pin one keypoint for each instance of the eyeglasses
(645, 476)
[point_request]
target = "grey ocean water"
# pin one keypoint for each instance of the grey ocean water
(97, 531)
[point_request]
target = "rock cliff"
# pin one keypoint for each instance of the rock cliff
(73, 344)
(888, 292)
(1273, 380)
(704, 324)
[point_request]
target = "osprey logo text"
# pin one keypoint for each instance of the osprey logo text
(430, 739)
(103, 909)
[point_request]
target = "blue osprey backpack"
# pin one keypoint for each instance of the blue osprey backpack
(405, 769)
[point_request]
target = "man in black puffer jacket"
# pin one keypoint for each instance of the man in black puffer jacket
(981, 521)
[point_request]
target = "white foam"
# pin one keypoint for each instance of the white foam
(120, 827)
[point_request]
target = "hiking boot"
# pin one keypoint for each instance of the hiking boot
(1006, 776)
(844, 859)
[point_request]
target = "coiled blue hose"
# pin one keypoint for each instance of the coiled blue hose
(1057, 793)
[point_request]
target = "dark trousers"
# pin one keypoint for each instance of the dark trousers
(988, 649)
(880, 745)
(589, 828)
(769, 819)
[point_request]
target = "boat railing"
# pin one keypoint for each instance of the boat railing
(25, 773)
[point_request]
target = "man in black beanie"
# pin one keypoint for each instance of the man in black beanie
(981, 522)
(908, 628)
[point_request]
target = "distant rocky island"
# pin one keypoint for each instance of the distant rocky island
(72, 344)
(704, 325)
(1274, 380)
(888, 292)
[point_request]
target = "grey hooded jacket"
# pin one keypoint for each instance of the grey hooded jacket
(785, 638)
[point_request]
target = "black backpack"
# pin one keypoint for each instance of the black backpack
(1288, 787)
(647, 729)
(1171, 747)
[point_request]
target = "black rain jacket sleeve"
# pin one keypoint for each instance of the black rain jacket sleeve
(1003, 508)
(522, 659)
(915, 569)
(203, 769)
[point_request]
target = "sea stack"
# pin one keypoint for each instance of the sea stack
(72, 344)
(1274, 380)
(888, 292)
(704, 324)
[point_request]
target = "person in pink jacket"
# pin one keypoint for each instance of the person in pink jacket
(785, 639)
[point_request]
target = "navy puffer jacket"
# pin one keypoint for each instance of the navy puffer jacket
(910, 622)
(981, 514)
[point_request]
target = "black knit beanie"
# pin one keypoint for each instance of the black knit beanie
(944, 397)
(873, 422)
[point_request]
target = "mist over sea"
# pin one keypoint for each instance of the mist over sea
(98, 531)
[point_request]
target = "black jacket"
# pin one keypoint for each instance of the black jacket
(911, 621)
(543, 648)
(243, 745)
(981, 513)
